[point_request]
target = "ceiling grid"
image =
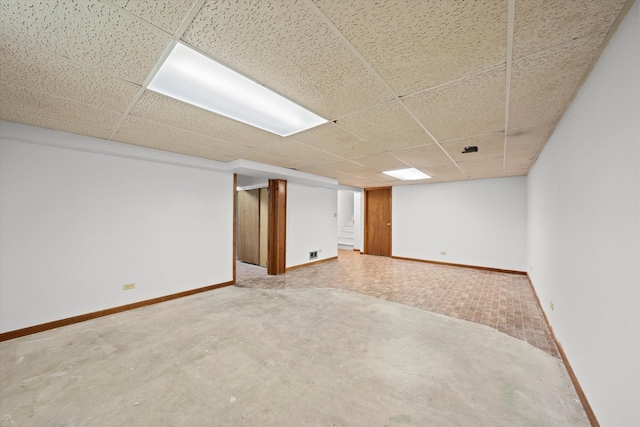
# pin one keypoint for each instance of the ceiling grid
(401, 83)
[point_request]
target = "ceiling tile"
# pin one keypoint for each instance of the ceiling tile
(57, 76)
(23, 105)
(424, 156)
(543, 84)
(524, 145)
(414, 45)
(256, 155)
(387, 127)
(470, 106)
(295, 150)
(516, 172)
(92, 34)
(287, 47)
(165, 14)
(162, 109)
(443, 173)
(150, 134)
(492, 166)
(329, 173)
(355, 182)
(349, 167)
(542, 24)
(448, 172)
(379, 178)
(333, 139)
(489, 145)
(382, 162)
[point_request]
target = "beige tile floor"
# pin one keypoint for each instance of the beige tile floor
(502, 301)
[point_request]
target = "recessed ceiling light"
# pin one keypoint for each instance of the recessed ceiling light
(193, 78)
(407, 174)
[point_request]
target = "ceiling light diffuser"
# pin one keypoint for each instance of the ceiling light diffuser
(193, 78)
(407, 174)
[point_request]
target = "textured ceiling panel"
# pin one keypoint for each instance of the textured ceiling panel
(489, 145)
(379, 178)
(22, 105)
(490, 166)
(89, 33)
(145, 133)
(256, 155)
(444, 173)
(414, 45)
(162, 109)
(466, 107)
(329, 173)
(54, 75)
(542, 84)
(349, 167)
(382, 162)
(285, 46)
(524, 145)
(297, 151)
(77, 66)
(165, 14)
(387, 127)
(332, 138)
(427, 155)
(516, 172)
(541, 24)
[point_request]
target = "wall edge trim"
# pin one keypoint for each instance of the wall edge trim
(320, 261)
(5, 336)
(591, 416)
(477, 267)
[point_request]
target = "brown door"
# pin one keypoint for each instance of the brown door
(249, 226)
(377, 226)
(276, 257)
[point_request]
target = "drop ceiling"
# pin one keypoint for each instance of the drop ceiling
(403, 83)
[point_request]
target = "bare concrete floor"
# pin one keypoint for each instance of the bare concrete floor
(304, 357)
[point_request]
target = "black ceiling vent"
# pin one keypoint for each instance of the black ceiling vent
(470, 149)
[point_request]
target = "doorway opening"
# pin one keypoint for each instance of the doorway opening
(260, 242)
(252, 222)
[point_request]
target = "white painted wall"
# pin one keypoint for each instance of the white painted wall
(584, 230)
(77, 225)
(358, 222)
(479, 222)
(345, 208)
(311, 223)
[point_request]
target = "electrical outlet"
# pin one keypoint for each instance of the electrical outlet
(313, 255)
(128, 286)
(443, 252)
(551, 305)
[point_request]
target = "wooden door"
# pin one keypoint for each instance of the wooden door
(377, 225)
(277, 263)
(249, 226)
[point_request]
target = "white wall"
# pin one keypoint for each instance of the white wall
(311, 223)
(358, 222)
(479, 222)
(584, 230)
(345, 208)
(77, 225)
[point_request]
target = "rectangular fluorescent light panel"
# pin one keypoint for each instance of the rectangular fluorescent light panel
(407, 174)
(193, 78)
